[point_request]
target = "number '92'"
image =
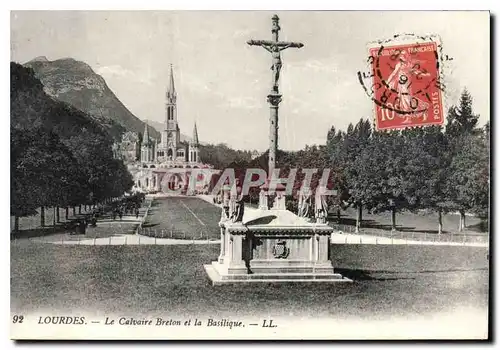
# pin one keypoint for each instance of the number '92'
(17, 319)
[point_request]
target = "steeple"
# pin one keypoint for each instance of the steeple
(145, 137)
(171, 94)
(195, 135)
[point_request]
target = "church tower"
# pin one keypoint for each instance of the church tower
(170, 136)
(194, 147)
(147, 147)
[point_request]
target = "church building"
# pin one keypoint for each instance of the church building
(169, 162)
(171, 150)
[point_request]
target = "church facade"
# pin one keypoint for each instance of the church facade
(168, 164)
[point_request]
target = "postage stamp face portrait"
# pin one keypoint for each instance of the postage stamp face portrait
(405, 87)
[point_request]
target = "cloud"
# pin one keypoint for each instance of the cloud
(117, 71)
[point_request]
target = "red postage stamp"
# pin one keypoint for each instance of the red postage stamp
(406, 86)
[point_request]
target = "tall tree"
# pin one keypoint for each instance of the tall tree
(468, 182)
(467, 187)
(382, 167)
(435, 171)
(25, 195)
(461, 119)
(341, 156)
(59, 155)
(39, 165)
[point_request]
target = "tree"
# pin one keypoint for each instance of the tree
(379, 167)
(40, 164)
(461, 119)
(25, 196)
(59, 155)
(468, 183)
(353, 171)
(220, 155)
(337, 158)
(434, 172)
(467, 187)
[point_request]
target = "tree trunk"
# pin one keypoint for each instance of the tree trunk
(359, 218)
(393, 218)
(440, 221)
(16, 223)
(66, 214)
(460, 224)
(80, 209)
(54, 216)
(58, 218)
(338, 216)
(462, 220)
(42, 216)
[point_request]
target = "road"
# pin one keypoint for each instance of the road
(181, 217)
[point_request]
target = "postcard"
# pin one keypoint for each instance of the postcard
(197, 175)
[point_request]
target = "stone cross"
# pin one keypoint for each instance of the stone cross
(274, 98)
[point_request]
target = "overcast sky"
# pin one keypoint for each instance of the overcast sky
(222, 82)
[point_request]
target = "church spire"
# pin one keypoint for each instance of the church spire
(171, 86)
(145, 138)
(195, 135)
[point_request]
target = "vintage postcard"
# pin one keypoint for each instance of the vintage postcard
(250, 175)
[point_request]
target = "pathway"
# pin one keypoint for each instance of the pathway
(144, 240)
(193, 215)
(369, 239)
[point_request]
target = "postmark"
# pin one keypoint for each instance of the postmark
(404, 79)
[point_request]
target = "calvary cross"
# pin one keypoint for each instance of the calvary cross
(274, 98)
(275, 47)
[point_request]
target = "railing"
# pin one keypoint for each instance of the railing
(125, 239)
(412, 236)
(174, 233)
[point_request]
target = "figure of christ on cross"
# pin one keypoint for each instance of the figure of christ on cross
(274, 98)
(275, 47)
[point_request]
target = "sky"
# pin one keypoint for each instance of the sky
(222, 82)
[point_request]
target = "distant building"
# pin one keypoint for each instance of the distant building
(130, 146)
(168, 163)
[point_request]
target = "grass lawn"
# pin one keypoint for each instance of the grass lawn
(33, 222)
(170, 280)
(183, 217)
(103, 230)
(106, 226)
(422, 222)
(193, 218)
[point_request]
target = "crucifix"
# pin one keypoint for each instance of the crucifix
(274, 98)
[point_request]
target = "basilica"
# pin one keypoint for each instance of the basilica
(168, 163)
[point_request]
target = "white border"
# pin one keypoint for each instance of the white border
(189, 5)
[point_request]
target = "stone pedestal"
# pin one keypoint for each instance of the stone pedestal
(273, 246)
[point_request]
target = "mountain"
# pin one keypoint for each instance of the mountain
(75, 83)
(32, 108)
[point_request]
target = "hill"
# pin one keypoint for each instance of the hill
(31, 107)
(75, 83)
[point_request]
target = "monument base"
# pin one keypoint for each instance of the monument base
(218, 275)
(273, 246)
